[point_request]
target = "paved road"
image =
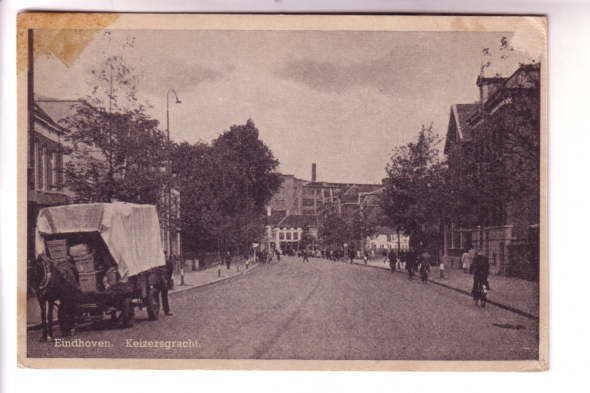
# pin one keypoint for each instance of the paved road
(318, 310)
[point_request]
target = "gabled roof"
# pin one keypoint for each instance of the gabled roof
(297, 221)
(353, 193)
(384, 230)
(458, 120)
(275, 217)
(58, 110)
(462, 113)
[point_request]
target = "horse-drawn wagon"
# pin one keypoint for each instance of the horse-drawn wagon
(98, 261)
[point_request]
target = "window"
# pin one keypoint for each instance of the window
(288, 235)
(295, 236)
(36, 166)
(43, 185)
(60, 171)
(281, 236)
(53, 169)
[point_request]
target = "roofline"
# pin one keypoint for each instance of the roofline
(457, 122)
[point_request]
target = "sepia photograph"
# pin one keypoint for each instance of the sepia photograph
(273, 191)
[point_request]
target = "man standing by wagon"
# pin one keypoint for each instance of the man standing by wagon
(166, 283)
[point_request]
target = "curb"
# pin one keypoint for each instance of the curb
(497, 304)
(185, 288)
(464, 292)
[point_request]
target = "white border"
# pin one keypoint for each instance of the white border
(569, 135)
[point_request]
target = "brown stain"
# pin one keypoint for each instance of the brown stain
(63, 35)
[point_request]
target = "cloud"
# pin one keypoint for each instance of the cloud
(184, 77)
(400, 71)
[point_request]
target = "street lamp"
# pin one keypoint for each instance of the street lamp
(169, 165)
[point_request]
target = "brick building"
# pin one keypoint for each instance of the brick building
(492, 148)
(300, 205)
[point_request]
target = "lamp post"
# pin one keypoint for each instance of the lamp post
(170, 174)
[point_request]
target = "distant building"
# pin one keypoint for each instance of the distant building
(289, 197)
(385, 239)
(290, 233)
(311, 199)
(496, 142)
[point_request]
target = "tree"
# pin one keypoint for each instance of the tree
(416, 198)
(225, 188)
(118, 151)
(333, 229)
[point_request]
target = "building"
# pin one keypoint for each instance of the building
(493, 153)
(46, 154)
(49, 152)
(303, 204)
(385, 239)
(289, 197)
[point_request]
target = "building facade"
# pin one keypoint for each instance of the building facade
(298, 208)
(493, 151)
(48, 153)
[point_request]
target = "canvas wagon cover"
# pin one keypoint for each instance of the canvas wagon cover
(130, 231)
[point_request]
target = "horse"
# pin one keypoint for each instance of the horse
(51, 285)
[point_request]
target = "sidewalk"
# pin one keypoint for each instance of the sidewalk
(192, 279)
(210, 275)
(507, 292)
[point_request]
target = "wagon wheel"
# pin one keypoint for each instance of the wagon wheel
(127, 314)
(153, 303)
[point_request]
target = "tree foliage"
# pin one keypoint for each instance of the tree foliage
(118, 152)
(416, 197)
(225, 187)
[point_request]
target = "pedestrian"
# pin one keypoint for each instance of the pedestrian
(481, 270)
(278, 254)
(304, 254)
(441, 269)
(351, 254)
(410, 260)
(366, 257)
(424, 266)
(392, 260)
(227, 259)
(466, 261)
(166, 284)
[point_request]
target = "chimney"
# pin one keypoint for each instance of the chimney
(313, 172)
(488, 86)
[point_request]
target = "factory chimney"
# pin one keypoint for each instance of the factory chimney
(313, 172)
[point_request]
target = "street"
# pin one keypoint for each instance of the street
(316, 310)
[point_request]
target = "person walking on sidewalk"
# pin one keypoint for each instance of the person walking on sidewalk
(351, 254)
(465, 261)
(424, 266)
(366, 257)
(278, 254)
(441, 269)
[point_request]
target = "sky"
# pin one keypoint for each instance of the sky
(340, 99)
